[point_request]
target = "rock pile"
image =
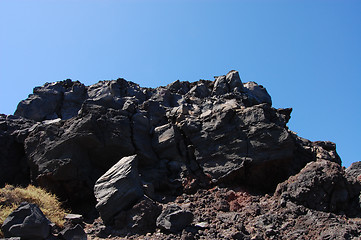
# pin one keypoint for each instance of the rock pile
(208, 159)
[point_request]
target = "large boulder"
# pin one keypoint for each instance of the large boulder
(119, 188)
(323, 186)
(27, 222)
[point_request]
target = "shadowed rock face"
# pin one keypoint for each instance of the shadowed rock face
(322, 185)
(13, 163)
(27, 222)
(203, 132)
(185, 136)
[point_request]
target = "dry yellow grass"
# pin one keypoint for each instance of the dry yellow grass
(11, 197)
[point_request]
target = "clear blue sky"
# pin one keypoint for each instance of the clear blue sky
(306, 53)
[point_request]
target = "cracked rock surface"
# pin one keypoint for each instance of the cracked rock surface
(217, 149)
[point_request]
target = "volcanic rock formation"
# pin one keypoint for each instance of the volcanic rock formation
(217, 148)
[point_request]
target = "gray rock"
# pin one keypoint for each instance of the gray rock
(200, 90)
(27, 222)
(74, 233)
(166, 97)
(181, 133)
(142, 140)
(141, 218)
(179, 87)
(228, 84)
(156, 112)
(174, 219)
(326, 150)
(322, 186)
(354, 171)
(118, 189)
(71, 219)
(165, 142)
(186, 136)
(257, 92)
(234, 81)
(67, 157)
(248, 144)
(64, 99)
(52, 100)
(72, 101)
(220, 86)
(13, 163)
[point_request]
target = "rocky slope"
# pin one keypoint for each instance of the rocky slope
(203, 160)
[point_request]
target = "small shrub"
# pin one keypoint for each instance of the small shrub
(11, 197)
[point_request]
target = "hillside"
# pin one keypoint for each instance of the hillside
(200, 160)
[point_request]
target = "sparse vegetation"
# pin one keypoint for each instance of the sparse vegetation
(11, 197)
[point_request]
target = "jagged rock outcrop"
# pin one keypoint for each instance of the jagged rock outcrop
(53, 100)
(354, 171)
(173, 142)
(169, 128)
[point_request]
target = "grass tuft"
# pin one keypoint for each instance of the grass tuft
(11, 197)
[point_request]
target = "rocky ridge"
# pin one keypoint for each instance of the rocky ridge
(203, 160)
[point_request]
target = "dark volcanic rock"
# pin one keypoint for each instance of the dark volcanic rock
(74, 233)
(174, 142)
(119, 188)
(13, 163)
(173, 218)
(354, 171)
(322, 186)
(249, 143)
(27, 222)
(67, 157)
(53, 100)
(169, 128)
(140, 219)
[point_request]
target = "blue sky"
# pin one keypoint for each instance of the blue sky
(306, 53)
